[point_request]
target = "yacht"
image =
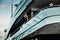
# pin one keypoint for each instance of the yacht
(43, 18)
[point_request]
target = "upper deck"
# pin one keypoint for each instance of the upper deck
(44, 17)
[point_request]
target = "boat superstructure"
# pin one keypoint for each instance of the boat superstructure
(43, 19)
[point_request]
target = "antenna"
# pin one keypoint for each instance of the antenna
(11, 8)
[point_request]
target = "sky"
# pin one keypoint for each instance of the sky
(5, 12)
